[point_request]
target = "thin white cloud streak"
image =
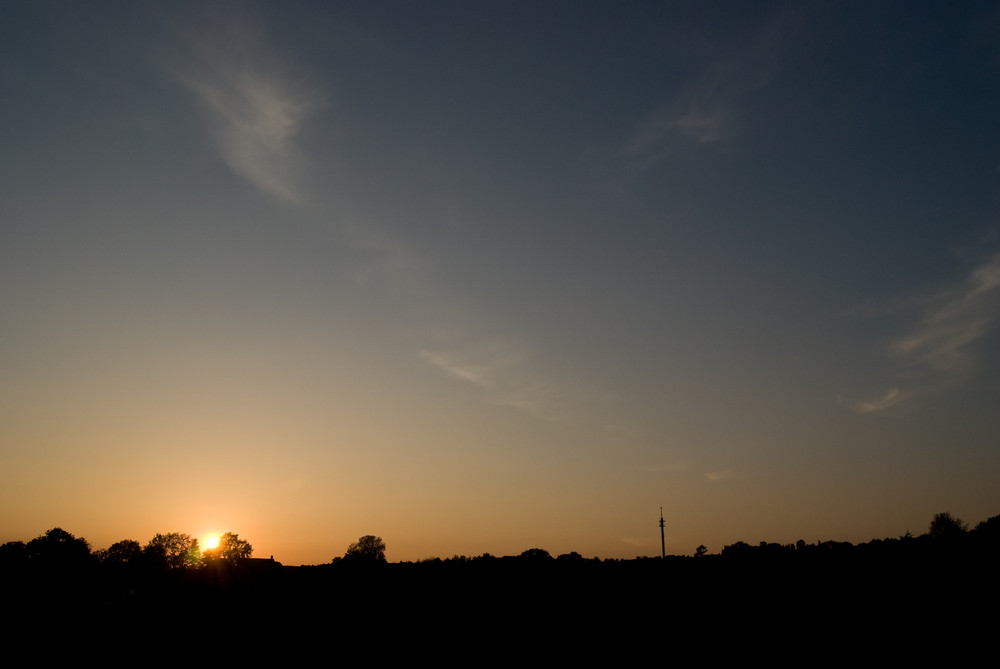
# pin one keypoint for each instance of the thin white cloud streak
(722, 475)
(889, 399)
(943, 346)
(453, 344)
(702, 126)
(501, 370)
(954, 321)
(255, 107)
(705, 110)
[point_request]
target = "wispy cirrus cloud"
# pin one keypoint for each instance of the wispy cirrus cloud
(954, 321)
(255, 103)
(891, 398)
(705, 109)
(943, 346)
(502, 371)
(499, 367)
(694, 122)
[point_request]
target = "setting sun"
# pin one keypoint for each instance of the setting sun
(211, 542)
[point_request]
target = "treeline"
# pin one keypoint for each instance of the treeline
(806, 591)
(946, 535)
(57, 549)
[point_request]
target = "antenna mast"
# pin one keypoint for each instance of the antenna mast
(663, 540)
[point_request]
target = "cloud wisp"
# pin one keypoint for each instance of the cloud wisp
(501, 371)
(254, 106)
(704, 111)
(891, 398)
(954, 321)
(944, 344)
(704, 126)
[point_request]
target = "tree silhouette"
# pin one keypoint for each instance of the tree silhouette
(946, 526)
(230, 549)
(989, 528)
(120, 552)
(536, 554)
(59, 548)
(368, 548)
(13, 554)
(174, 550)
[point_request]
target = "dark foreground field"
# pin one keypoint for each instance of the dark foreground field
(881, 601)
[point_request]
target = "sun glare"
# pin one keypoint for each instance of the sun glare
(211, 542)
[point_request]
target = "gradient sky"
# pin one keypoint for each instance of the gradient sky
(480, 277)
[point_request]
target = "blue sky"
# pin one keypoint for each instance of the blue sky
(479, 277)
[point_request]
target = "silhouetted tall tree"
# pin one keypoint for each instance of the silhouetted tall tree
(120, 552)
(230, 549)
(174, 549)
(946, 526)
(989, 529)
(58, 548)
(535, 554)
(13, 554)
(368, 548)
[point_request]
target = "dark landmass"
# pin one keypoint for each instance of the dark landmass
(890, 595)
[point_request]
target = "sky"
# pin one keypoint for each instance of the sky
(483, 277)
